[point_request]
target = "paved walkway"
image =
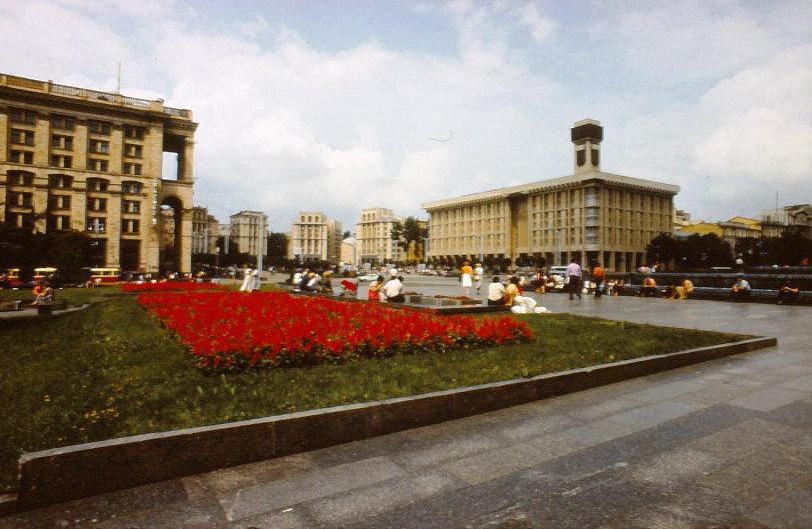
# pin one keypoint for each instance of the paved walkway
(726, 443)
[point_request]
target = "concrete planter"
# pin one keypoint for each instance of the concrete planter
(62, 474)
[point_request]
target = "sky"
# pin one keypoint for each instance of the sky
(339, 105)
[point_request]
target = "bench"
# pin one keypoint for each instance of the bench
(49, 307)
(757, 295)
(8, 306)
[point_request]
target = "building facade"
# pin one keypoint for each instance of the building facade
(775, 221)
(205, 230)
(588, 215)
(309, 237)
(349, 247)
(374, 236)
(334, 239)
(80, 159)
(249, 232)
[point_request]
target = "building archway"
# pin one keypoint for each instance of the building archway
(170, 234)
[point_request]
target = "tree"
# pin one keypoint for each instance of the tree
(407, 232)
(346, 234)
(277, 244)
(664, 248)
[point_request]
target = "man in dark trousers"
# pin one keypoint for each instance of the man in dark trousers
(574, 277)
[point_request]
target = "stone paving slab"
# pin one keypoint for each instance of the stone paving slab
(727, 443)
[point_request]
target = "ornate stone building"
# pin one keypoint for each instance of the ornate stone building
(80, 159)
(205, 230)
(589, 214)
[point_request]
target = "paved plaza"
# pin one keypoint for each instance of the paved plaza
(727, 443)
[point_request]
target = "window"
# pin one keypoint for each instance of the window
(95, 164)
(97, 184)
(60, 180)
(99, 146)
(98, 127)
(96, 204)
(19, 220)
(58, 222)
(95, 224)
(21, 200)
(62, 142)
(61, 161)
(135, 133)
(59, 202)
(23, 116)
(22, 157)
(132, 150)
(131, 187)
(63, 122)
(132, 168)
(130, 206)
(22, 137)
(17, 178)
(130, 226)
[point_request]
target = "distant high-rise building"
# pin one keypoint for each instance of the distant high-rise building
(590, 214)
(374, 236)
(314, 236)
(205, 230)
(80, 159)
(249, 232)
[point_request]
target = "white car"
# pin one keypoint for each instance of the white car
(368, 277)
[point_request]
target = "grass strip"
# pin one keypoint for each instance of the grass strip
(111, 371)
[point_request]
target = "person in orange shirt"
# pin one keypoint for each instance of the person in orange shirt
(598, 277)
(466, 277)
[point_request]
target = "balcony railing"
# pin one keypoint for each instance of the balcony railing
(92, 95)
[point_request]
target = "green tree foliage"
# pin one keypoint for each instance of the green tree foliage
(67, 250)
(277, 244)
(694, 252)
(408, 232)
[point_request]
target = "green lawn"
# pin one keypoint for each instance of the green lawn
(111, 371)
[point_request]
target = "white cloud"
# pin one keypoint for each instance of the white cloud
(541, 27)
(287, 125)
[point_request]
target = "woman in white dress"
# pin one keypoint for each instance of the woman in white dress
(247, 280)
(466, 275)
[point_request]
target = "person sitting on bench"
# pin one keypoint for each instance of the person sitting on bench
(43, 293)
(740, 291)
(684, 290)
(788, 294)
(649, 288)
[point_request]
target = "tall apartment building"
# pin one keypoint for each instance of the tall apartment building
(589, 214)
(315, 237)
(374, 236)
(205, 230)
(80, 159)
(348, 251)
(249, 232)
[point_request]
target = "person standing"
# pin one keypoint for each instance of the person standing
(574, 277)
(256, 281)
(598, 277)
(247, 279)
(466, 275)
(478, 271)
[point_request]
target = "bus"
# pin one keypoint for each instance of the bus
(104, 276)
(13, 278)
(44, 273)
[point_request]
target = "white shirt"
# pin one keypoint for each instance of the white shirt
(496, 291)
(392, 288)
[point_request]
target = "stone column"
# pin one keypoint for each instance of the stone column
(3, 136)
(42, 141)
(80, 145)
(39, 201)
(185, 251)
(113, 250)
(116, 148)
(187, 155)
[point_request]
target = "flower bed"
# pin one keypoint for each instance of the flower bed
(236, 330)
(170, 286)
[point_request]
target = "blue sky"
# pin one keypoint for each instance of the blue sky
(331, 105)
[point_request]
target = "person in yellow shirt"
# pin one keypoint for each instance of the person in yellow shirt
(511, 291)
(683, 290)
